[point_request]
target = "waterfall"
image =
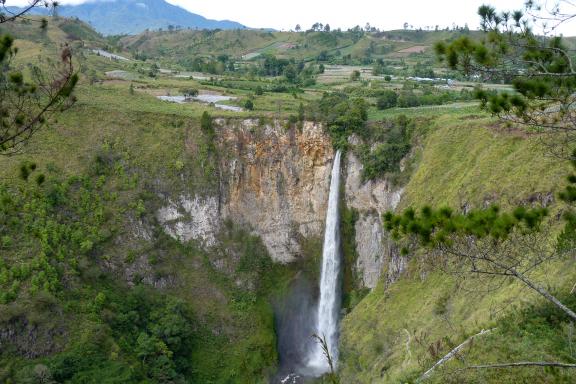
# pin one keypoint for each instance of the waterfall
(329, 305)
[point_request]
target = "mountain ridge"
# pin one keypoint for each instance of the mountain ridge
(118, 17)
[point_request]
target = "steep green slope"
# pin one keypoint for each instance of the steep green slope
(103, 170)
(91, 289)
(399, 331)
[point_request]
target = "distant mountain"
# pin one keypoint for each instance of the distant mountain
(116, 17)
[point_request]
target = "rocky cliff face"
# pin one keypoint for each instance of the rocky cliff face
(275, 181)
(371, 199)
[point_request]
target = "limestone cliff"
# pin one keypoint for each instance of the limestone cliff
(275, 181)
(371, 199)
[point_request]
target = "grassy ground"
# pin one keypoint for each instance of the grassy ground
(398, 332)
(453, 110)
(475, 159)
(394, 335)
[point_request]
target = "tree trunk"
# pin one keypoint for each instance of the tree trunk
(544, 293)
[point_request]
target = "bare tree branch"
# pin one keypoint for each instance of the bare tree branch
(521, 364)
(452, 354)
(13, 16)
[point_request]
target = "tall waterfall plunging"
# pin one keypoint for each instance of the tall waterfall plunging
(329, 305)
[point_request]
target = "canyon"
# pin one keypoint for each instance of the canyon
(275, 180)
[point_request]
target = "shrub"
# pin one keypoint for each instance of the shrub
(190, 93)
(387, 100)
(386, 156)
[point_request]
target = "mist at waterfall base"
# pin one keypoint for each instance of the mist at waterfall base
(295, 323)
(302, 314)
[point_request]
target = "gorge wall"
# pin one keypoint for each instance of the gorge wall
(275, 180)
(374, 248)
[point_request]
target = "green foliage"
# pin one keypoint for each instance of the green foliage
(380, 68)
(254, 260)
(249, 105)
(207, 158)
(387, 100)
(252, 282)
(539, 69)
(436, 226)
(190, 92)
(140, 336)
(26, 168)
(352, 294)
(158, 333)
(206, 123)
(292, 71)
(206, 65)
(386, 156)
(423, 70)
(275, 86)
(6, 49)
(413, 95)
(207, 126)
(535, 332)
(53, 226)
(567, 239)
(410, 99)
(343, 116)
(40, 178)
(76, 30)
(27, 101)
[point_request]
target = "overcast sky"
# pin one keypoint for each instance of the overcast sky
(384, 14)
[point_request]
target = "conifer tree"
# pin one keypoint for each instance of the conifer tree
(519, 48)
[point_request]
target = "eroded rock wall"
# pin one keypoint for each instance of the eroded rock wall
(275, 181)
(371, 199)
(190, 218)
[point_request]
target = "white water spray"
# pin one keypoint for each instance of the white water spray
(329, 305)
